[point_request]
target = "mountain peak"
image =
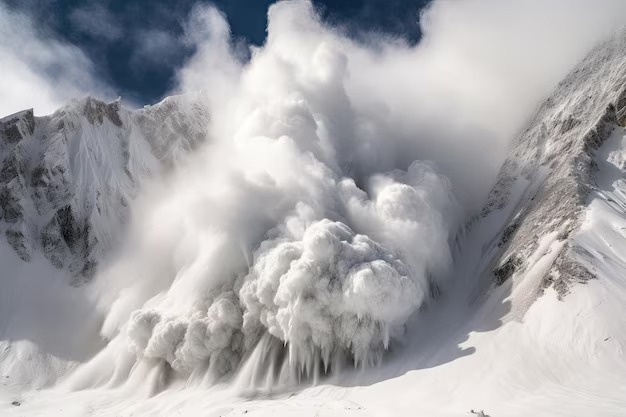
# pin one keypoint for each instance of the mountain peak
(67, 179)
(14, 127)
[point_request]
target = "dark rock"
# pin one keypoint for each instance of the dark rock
(52, 243)
(507, 269)
(95, 111)
(12, 134)
(507, 233)
(12, 130)
(11, 210)
(13, 167)
(68, 226)
(20, 244)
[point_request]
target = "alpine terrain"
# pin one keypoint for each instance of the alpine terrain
(299, 267)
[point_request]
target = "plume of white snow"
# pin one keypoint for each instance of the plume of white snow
(40, 71)
(325, 204)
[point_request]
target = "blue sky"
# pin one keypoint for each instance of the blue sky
(137, 45)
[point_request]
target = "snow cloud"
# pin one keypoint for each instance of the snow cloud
(296, 221)
(155, 47)
(478, 73)
(337, 175)
(95, 20)
(39, 71)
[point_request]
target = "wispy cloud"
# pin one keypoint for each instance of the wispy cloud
(154, 47)
(38, 70)
(96, 21)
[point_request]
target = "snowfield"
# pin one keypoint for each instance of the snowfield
(289, 248)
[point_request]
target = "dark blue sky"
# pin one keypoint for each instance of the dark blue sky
(132, 41)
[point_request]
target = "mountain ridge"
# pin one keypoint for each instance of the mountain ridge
(547, 178)
(67, 178)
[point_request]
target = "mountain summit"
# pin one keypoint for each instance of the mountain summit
(67, 179)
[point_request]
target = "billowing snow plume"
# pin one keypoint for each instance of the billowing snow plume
(301, 220)
(315, 218)
(324, 280)
(294, 250)
(39, 70)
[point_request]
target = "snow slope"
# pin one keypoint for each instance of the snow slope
(533, 322)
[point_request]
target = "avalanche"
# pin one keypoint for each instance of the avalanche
(328, 241)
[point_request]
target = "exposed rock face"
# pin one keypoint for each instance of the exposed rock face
(545, 183)
(66, 179)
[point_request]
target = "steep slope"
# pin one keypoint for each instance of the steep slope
(67, 179)
(544, 185)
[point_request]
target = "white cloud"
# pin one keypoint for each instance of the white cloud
(96, 21)
(39, 71)
(214, 67)
(156, 48)
(469, 85)
(476, 77)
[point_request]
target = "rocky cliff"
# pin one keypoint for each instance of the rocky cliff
(66, 180)
(544, 185)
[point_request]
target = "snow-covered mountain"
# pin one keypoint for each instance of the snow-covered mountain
(66, 180)
(546, 182)
(532, 322)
